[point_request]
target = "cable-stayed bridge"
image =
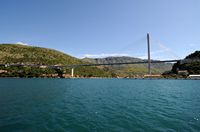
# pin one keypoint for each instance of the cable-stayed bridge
(149, 61)
(100, 64)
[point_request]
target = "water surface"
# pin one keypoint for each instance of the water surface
(81, 105)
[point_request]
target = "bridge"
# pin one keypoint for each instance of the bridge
(80, 65)
(148, 61)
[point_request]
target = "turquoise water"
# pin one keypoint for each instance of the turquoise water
(82, 105)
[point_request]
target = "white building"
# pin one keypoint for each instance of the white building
(194, 76)
(3, 71)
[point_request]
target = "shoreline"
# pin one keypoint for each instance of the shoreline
(100, 78)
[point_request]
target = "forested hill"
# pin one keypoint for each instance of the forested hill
(15, 53)
(21, 54)
(192, 67)
(195, 55)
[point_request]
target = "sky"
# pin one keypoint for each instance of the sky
(100, 28)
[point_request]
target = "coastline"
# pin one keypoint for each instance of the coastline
(172, 78)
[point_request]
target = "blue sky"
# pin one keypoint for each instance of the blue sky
(96, 28)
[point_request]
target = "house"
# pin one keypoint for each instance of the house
(182, 72)
(3, 71)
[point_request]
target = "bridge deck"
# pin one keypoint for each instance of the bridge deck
(79, 65)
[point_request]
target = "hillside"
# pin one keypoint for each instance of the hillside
(14, 53)
(112, 60)
(192, 67)
(129, 70)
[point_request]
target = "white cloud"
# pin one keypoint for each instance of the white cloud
(143, 57)
(103, 55)
(21, 43)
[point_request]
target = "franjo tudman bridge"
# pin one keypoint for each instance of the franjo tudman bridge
(149, 61)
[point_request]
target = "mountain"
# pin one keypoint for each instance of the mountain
(130, 69)
(192, 66)
(112, 60)
(15, 53)
(21, 54)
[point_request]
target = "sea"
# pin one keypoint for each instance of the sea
(99, 105)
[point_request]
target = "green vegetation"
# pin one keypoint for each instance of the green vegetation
(130, 70)
(192, 67)
(14, 53)
(20, 54)
(26, 72)
(195, 55)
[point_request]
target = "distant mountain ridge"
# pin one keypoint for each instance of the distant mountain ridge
(130, 69)
(21, 54)
(122, 59)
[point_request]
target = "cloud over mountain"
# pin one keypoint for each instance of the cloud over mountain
(22, 43)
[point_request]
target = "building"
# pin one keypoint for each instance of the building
(194, 76)
(182, 72)
(43, 66)
(3, 71)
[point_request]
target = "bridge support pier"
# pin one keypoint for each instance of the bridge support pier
(72, 72)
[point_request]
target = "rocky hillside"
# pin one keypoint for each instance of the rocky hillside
(112, 60)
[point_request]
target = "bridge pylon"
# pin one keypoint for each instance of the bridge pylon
(149, 55)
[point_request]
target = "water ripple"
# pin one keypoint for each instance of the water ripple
(99, 105)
